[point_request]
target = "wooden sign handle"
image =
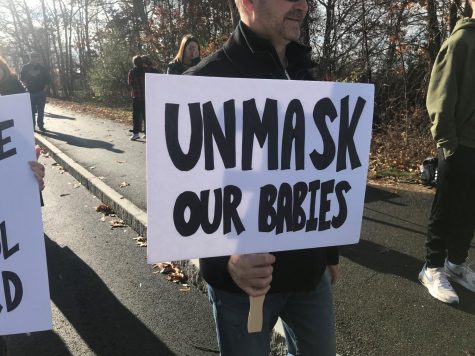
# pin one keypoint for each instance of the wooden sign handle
(254, 321)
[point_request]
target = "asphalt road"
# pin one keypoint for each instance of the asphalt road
(381, 308)
(105, 299)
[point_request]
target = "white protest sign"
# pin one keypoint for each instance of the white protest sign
(24, 293)
(240, 166)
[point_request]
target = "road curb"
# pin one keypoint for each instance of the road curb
(132, 215)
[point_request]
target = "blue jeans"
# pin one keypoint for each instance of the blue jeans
(38, 102)
(307, 318)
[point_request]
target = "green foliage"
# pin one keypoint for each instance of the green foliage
(108, 76)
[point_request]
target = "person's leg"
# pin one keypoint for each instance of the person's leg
(231, 312)
(142, 109)
(34, 106)
(135, 119)
(438, 227)
(309, 322)
(41, 102)
(462, 217)
(441, 231)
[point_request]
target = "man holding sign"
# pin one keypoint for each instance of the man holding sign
(264, 46)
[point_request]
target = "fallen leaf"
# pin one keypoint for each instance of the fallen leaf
(101, 177)
(103, 208)
(77, 185)
(64, 195)
(124, 184)
(173, 272)
(121, 161)
(117, 223)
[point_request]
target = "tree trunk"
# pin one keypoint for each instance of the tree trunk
(433, 31)
(53, 87)
(327, 67)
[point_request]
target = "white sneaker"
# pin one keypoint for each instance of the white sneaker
(462, 274)
(435, 280)
(134, 137)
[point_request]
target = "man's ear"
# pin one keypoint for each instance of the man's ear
(248, 5)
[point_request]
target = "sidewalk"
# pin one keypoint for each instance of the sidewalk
(381, 308)
(99, 154)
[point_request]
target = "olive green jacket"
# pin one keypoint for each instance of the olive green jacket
(451, 94)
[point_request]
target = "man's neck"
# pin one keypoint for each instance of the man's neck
(279, 46)
(281, 53)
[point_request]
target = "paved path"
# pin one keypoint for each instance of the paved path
(105, 299)
(381, 309)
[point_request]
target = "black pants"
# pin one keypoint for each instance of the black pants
(452, 219)
(138, 112)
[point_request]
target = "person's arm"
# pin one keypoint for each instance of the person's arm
(333, 259)
(442, 99)
(19, 88)
(24, 76)
(130, 78)
(47, 80)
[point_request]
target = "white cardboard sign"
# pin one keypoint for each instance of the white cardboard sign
(24, 293)
(244, 166)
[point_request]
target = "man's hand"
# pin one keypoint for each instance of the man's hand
(252, 273)
(334, 271)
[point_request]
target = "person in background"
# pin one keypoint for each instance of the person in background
(265, 45)
(136, 80)
(149, 65)
(36, 78)
(9, 83)
(188, 56)
(451, 109)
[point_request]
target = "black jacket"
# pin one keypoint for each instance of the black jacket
(177, 67)
(35, 77)
(245, 55)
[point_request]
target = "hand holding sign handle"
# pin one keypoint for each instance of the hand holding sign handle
(253, 274)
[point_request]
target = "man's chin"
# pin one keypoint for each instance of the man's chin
(293, 35)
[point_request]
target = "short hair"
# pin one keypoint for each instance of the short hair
(147, 60)
(185, 41)
(137, 61)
